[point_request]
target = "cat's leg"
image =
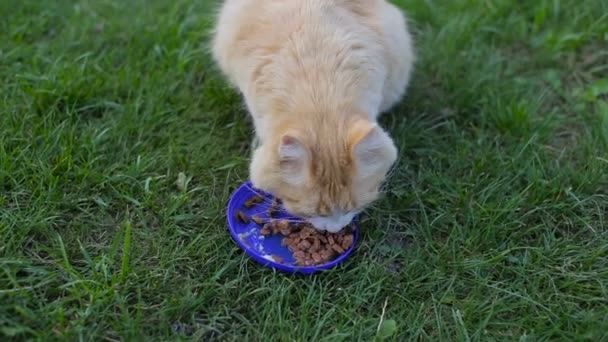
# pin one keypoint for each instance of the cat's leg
(400, 56)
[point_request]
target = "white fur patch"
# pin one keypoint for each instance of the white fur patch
(334, 223)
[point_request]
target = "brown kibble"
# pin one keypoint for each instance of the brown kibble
(272, 212)
(347, 241)
(274, 208)
(337, 248)
(304, 244)
(277, 258)
(284, 227)
(253, 201)
(274, 227)
(316, 245)
(308, 231)
(242, 217)
(331, 241)
(309, 246)
(265, 230)
(317, 257)
(327, 254)
(257, 219)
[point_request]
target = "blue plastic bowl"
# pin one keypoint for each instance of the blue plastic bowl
(260, 248)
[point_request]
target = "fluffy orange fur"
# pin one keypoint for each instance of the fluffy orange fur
(315, 75)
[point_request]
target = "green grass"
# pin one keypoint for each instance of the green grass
(494, 226)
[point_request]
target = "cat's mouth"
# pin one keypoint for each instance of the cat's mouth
(333, 223)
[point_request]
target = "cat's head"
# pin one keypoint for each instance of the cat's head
(326, 176)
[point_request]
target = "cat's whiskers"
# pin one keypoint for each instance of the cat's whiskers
(262, 195)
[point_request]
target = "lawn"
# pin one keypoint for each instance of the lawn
(493, 225)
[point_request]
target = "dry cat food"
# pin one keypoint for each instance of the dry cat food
(278, 258)
(253, 201)
(309, 246)
(242, 217)
(274, 208)
(257, 219)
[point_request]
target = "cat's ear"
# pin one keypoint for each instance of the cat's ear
(293, 159)
(371, 148)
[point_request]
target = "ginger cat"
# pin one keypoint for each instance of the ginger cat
(315, 75)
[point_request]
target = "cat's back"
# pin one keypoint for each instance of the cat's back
(266, 20)
(308, 56)
(249, 31)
